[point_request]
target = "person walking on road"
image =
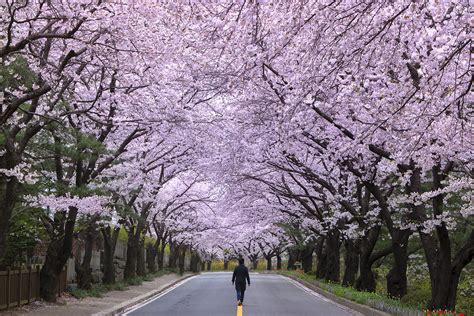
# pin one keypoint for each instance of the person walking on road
(241, 273)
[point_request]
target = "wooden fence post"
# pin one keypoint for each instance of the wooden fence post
(29, 284)
(8, 287)
(20, 277)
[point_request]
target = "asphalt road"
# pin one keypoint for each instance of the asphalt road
(212, 294)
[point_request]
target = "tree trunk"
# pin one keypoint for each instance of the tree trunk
(321, 255)
(397, 276)
(110, 242)
(141, 261)
(173, 260)
(333, 256)
(130, 270)
(203, 265)
(462, 258)
(443, 268)
(58, 252)
(307, 258)
(49, 277)
(226, 264)
(84, 270)
(278, 262)
(255, 264)
(161, 256)
(151, 257)
(445, 277)
(351, 262)
(8, 188)
(209, 262)
(366, 280)
(292, 258)
(195, 260)
(181, 259)
(269, 263)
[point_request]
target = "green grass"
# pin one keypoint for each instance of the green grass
(98, 290)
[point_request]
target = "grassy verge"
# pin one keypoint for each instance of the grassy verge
(394, 307)
(98, 290)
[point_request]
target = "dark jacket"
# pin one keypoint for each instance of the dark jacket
(240, 274)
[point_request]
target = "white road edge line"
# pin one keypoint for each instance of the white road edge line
(153, 298)
(319, 296)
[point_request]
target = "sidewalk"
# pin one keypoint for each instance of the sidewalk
(73, 307)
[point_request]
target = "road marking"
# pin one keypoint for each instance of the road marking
(148, 301)
(239, 310)
(321, 297)
(309, 291)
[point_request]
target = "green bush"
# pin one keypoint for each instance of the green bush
(218, 265)
(418, 294)
(465, 298)
(135, 281)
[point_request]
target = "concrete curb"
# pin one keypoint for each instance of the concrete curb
(117, 309)
(363, 309)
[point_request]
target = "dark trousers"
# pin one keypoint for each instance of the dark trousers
(240, 295)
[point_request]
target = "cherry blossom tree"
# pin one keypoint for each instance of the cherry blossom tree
(311, 126)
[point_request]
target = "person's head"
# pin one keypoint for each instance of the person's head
(241, 260)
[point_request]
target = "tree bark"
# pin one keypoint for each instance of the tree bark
(292, 258)
(307, 258)
(58, 252)
(181, 259)
(84, 270)
(226, 264)
(278, 261)
(397, 276)
(141, 261)
(321, 255)
(463, 257)
(130, 270)
(269, 263)
(444, 270)
(209, 262)
(151, 257)
(110, 242)
(8, 193)
(173, 260)
(195, 260)
(351, 262)
(333, 256)
(161, 255)
(366, 280)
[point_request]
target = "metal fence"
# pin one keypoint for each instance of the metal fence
(22, 286)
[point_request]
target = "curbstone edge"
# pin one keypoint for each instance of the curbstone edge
(364, 309)
(117, 309)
